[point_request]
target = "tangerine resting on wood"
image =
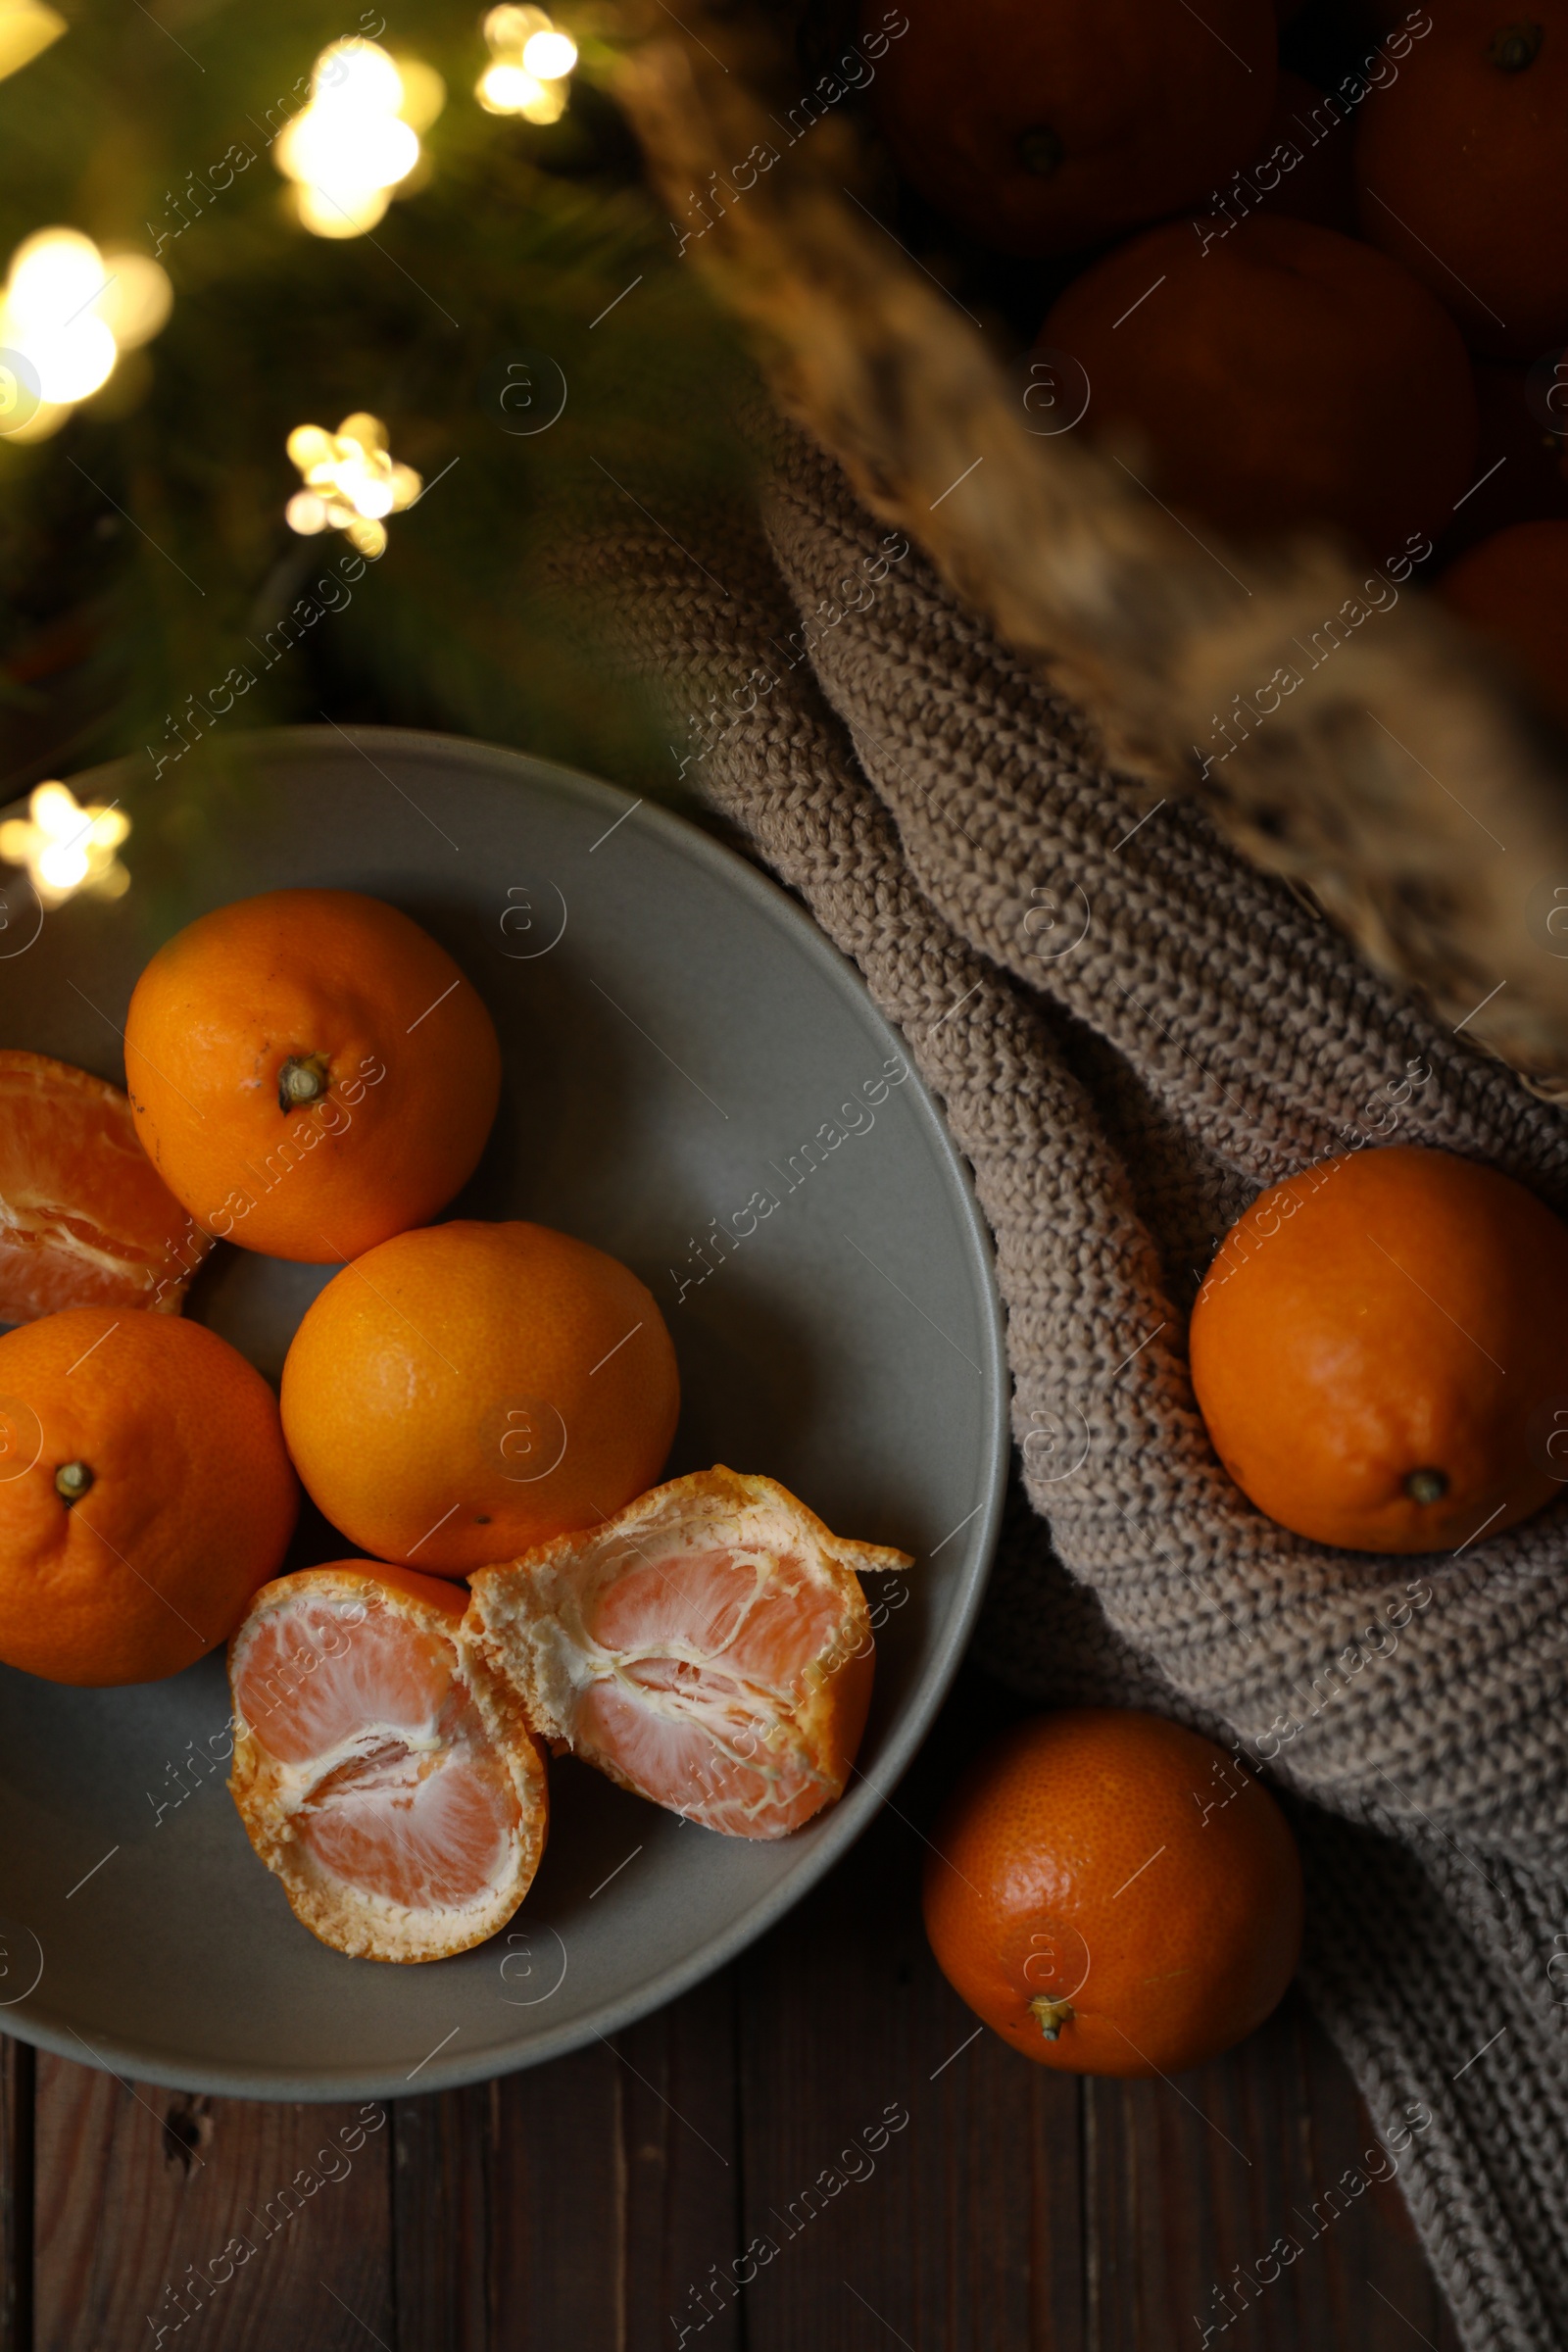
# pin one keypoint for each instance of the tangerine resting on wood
(469, 1390)
(86, 1219)
(1380, 1350)
(709, 1649)
(1047, 130)
(310, 1072)
(144, 1495)
(1270, 376)
(379, 1768)
(1114, 1894)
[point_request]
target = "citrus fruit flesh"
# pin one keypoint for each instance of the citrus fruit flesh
(86, 1219)
(1114, 1894)
(309, 1072)
(469, 1390)
(381, 1768)
(1380, 1351)
(709, 1647)
(145, 1494)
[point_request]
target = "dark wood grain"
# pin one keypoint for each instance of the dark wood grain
(157, 2211)
(18, 2068)
(812, 2152)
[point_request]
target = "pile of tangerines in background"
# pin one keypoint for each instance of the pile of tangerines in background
(1341, 305)
(1380, 1350)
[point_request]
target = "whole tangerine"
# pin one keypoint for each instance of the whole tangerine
(145, 1494)
(1462, 170)
(1380, 1351)
(1514, 588)
(311, 1073)
(1270, 373)
(1114, 1894)
(466, 1391)
(1048, 130)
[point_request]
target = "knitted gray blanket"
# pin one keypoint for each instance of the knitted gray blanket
(1132, 1033)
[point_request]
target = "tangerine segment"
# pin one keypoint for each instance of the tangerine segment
(381, 1768)
(709, 1647)
(309, 1072)
(86, 1219)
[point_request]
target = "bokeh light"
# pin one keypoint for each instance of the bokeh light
(358, 137)
(67, 847)
(352, 482)
(69, 311)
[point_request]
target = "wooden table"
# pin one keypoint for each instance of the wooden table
(906, 2179)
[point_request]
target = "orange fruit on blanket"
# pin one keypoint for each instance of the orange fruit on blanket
(1048, 130)
(1269, 373)
(86, 1219)
(1514, 588)
(1380, 1350)
(381, 1770)
(309, 1072)
(466, 1390)
(144, 1495)
(1114, 1894)
(710, 1648)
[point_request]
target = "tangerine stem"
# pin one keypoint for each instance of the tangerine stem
(302, 1079)
(1052, 2015)
(72, 1482)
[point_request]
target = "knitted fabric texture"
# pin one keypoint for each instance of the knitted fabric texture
(1131, 1032)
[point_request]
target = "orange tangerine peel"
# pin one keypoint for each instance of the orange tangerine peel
(709, 1647)
(86, 1219)
(382, 1769)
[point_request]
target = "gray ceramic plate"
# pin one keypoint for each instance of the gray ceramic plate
(676, 1035)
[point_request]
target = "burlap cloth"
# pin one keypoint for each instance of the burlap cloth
(1131, 1032)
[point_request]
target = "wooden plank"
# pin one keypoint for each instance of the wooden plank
(17, 2071)
(916, 2182)
(575, 2204)
(443, 2212)
(1250, 2205)
(260, 2225)
(682, 2167)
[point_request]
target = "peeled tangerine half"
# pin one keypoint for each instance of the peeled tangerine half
(709, 1647)
(381, 1768)
(86, 1219)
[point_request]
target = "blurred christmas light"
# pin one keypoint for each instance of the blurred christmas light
(550, 56)
(26, 29)
(358, 137)
(68, 311)
(67, 847)
(530, 59)
(351, 482)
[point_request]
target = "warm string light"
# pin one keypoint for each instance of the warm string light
(67, 847)
(530, 60)
(67, 312)
(351, 482)
(358, 140)
(26, 29)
